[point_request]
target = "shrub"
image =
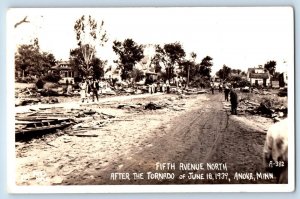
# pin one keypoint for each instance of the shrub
(243, 83)
(40, 84)
(200, 82)
(52, 78)
(29, 79)
(77, 79)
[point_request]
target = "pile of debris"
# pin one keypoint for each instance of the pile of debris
(25, 92)
(30, 96)
(172, 103)
(130, 106)
(194, 91)
(152, 106)
(41, 121)
(38, 100)
(282, 92)
(266, 108)
(35, 126)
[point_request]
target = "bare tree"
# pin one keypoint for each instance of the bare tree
(89, 34)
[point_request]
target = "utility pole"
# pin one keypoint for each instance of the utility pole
(193, 55)
(188, 77)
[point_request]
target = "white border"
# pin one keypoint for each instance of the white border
(12, 188)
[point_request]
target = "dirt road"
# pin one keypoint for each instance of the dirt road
(202, 139)
(207, 133)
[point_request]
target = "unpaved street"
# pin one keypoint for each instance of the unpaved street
(201, 130)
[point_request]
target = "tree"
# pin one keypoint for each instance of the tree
(89, 34)
(243, 73)
(170, 54)
(78, 64)
(276, 76)
(129, 54)
(224, 72)
(156, 62)
(236, 71)
(185, 66)
(205, 66)
(271, 67)
(137, 75)
(193, 56)
(98, 67)
(30, 60)
(190, 68)
(23, 58)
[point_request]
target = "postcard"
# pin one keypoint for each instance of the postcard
(173, 99)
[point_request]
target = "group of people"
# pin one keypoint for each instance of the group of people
(89, 89)
(159, 86)
(228, 91)
(180, 82)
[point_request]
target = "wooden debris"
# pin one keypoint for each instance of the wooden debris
(108, 115)
(121, 120)
(86, 135)
(152, 106)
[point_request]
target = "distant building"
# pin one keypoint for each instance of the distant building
(275, 84)
(65, 71)
(259, 76)
(216, 80)
(113, 74)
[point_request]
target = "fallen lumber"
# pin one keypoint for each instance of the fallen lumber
(86, 135)
(90, 112)
(121, 120)
(253, 103)
(110, 116)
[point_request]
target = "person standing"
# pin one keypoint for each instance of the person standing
(176, 80)
(164, 87)
(168, 86)
(154, 87)
(67, 85)
(220, 88)
(233, 101)
(69, 89)
(226, 92)
(95, 85)
(82, 86)
(88, 89)
(212, 88)
(150, 88)
(158, 86)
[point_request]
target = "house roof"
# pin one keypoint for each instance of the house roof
(59, 64)
(61, 68)
(259, 75)
(252, 70)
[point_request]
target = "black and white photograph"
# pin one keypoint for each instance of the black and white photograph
(184, 99)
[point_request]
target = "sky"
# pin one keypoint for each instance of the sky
(237, 37)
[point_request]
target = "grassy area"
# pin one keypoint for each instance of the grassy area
(19, 85)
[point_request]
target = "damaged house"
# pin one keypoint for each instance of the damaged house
(259, 76)
(65, 71)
